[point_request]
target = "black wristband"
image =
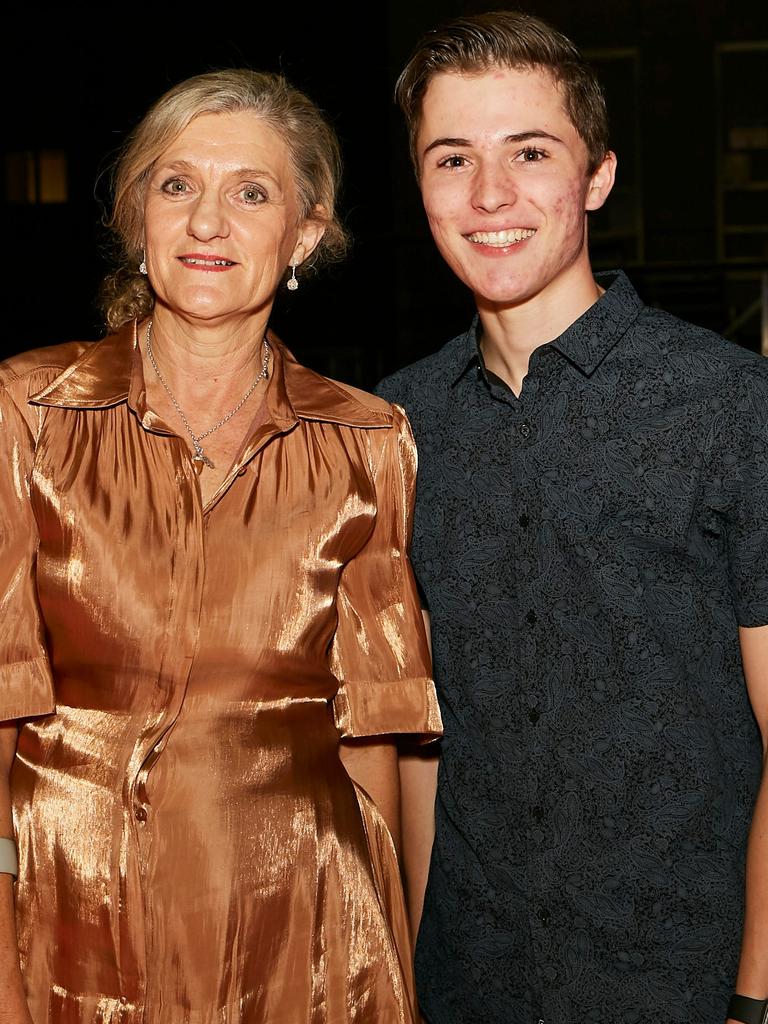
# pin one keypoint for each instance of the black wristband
(748, 1011)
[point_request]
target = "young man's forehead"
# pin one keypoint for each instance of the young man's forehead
(451, 81)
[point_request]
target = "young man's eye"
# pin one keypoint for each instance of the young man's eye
(532, 155)
(453, 161)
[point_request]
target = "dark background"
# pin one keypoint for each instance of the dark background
(689, 114)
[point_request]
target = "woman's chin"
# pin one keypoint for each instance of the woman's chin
(201, 305)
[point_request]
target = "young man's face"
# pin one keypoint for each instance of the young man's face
(504, 182)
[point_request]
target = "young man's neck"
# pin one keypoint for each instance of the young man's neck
(511, 333)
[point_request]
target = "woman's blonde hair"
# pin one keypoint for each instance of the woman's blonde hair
(312, 145)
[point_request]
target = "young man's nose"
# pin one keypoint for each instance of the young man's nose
(494, 188)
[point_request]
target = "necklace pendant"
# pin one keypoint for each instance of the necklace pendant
(201, 459)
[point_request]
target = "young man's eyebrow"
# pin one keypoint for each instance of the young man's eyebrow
(446, 142)
(534, 133)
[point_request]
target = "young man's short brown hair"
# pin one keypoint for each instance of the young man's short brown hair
(507, 39)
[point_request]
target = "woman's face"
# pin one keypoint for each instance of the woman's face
(221, 219)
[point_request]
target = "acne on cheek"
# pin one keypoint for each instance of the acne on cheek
(572, 203)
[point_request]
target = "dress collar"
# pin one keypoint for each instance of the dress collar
(110, 372)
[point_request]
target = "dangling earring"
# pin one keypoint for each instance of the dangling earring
(143, 264)
(293, 283)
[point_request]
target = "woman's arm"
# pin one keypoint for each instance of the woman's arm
(13, 1005)
(372, 763)
(753, 970)
(418, 786)
(403, 789)
(418, 789)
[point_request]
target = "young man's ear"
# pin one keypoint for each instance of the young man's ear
(601, 182)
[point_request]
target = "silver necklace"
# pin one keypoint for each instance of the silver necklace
(200, 456)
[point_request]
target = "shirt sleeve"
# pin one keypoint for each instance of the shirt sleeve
(379, 653)
(26, 684)
(738, 483)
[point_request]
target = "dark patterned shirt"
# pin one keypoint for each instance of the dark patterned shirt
(587, 551)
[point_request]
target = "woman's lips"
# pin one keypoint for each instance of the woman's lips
(206, 261)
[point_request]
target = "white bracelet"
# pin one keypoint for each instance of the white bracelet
(9, 862)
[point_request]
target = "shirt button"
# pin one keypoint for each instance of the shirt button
(538, 813)
(525, 429)
(543, 915)
(534, 715)
(140, 813)
(531, 617)
(524, 521)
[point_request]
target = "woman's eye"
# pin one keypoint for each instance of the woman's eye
(175, 187)
(251, 194)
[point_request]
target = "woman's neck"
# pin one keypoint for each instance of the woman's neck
(199, 353)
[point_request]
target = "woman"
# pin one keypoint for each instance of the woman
(204, 573)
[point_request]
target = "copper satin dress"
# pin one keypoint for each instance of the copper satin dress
(191, 847)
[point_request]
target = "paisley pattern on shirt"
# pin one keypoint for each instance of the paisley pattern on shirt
(587, 552)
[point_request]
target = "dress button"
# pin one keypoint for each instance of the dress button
(531, 617)
(525, 429)
(140, 813)
(524, 521)
(538, 813)
(543, 915)
(534, 715)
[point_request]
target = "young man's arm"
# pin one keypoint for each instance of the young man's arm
(753, 970)
(13, 1005)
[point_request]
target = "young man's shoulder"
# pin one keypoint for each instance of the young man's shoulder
(702, 352)
(424, 382)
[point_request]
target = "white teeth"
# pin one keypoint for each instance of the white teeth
(502, 238)
(207, 263)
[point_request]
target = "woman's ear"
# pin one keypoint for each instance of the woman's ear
(310, 233)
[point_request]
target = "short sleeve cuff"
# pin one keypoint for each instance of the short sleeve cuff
(389, 708)
(750, 599)
(751, 617)
(26, 690)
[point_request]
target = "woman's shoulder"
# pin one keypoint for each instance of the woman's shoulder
(364, 398)
(39, 366)
(316, 397)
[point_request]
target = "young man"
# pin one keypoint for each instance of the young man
(591, 538)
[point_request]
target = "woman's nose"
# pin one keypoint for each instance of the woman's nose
(208, 217)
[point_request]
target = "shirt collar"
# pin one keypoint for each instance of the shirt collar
(585, 343)
(109, 372)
